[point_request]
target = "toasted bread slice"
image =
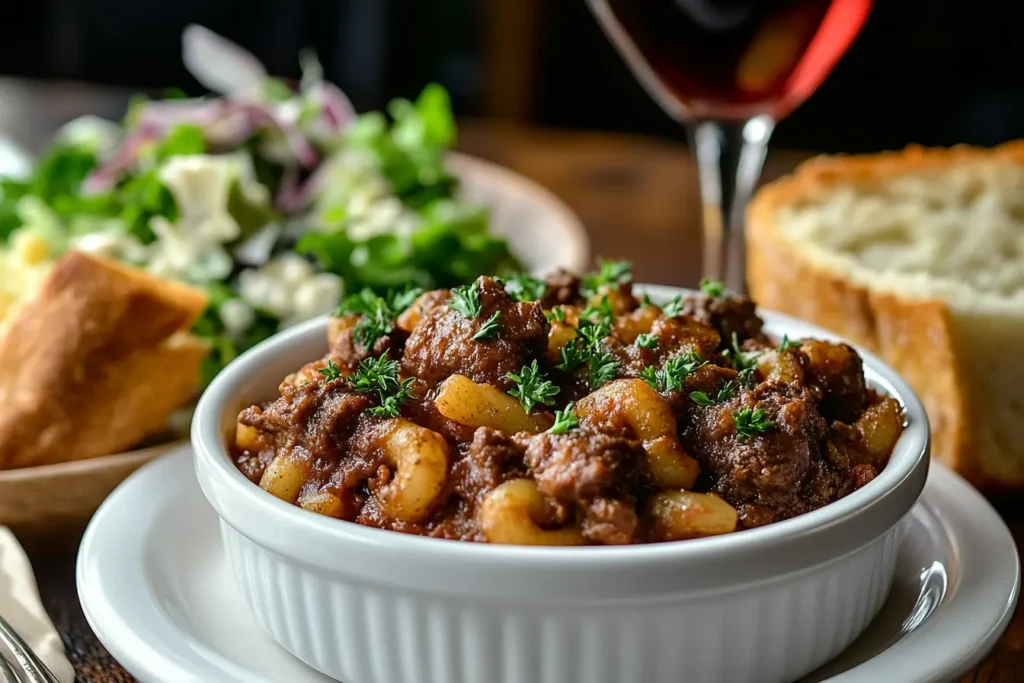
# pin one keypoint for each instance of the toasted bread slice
(917, 256)
(94, 361)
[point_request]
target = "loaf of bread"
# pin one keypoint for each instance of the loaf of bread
(919, 257)
(94, 357)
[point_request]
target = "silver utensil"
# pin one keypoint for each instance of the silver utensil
(32, 668)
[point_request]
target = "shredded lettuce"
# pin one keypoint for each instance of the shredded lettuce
(365, 198)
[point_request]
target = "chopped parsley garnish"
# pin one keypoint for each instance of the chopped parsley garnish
(489, 330)
(751, 422)
(725, 392)
(786, 344)
(523, 287)
(646, 340)
(741, 360)
(377, 313)
(531, 387)
(379, 377)
(601, 368)
(646, 301)
(675, 371)
(611, 273)
(674, 307)
(565, 420)
(557, 314)
(574, 355)
(593, 332)
(713, 288)
(748, 378)
(330, 372)
(601, 313)
(466, 300)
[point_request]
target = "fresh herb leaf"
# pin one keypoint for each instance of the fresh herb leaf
(725, 392)
(610, 274)
(751, 422)
(646, 340)
(390, 405)
(466, 300)
(701, 399)
(786, 344)
(713, 287)
(601, 368)
(600, 313)
(574, 354)
(489, 330)
(557, 314)
(379, 377)
(674, 307)
(741, 360)
(646, 301)
(565, 420)
(674, 373)
(522, 287)
(531, 387)
(592, 333)
(747, 378)
(330, 372)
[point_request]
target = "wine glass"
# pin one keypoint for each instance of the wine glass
(728, 70)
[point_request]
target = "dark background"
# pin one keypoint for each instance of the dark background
(935, 72)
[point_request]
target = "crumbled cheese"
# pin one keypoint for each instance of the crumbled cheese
(112, 244)
(237, 317)
(289, 288)
(193, 248)
(355, 189)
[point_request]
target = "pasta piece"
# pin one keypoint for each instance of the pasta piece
(881, 425)
(335, 326)
(323, 503)
(246, 437)
(510, 513)
(418, 458)
(480, 405)
(678, 515)
(650, 418)
(640, 321)
(285, 476)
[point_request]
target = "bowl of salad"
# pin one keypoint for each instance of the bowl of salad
(139, 257)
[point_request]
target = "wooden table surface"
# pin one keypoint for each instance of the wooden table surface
(638, 198)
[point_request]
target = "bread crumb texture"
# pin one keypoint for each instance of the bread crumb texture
(919, 256)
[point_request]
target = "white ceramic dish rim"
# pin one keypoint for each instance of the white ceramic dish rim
(132, 621)
(809, 540)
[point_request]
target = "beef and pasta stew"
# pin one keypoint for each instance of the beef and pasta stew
(566, 412)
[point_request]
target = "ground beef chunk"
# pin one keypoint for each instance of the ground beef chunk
(835, 376)
(442, 342)
(727, 315)
(563, 289)
(317, 417)
(347, 353)
(586, 469)
(764, 476)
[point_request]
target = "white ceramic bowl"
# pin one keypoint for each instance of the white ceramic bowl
(370, 606)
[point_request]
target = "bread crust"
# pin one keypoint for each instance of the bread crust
(94, 361)
(915, 334)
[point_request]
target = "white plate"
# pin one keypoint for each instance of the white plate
(156, 589)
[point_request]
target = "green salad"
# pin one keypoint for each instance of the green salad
(273, 197)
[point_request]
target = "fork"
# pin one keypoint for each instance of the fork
(32, 668)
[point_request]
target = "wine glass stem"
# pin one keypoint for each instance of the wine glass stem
(730, 156)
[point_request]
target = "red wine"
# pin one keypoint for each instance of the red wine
(732, 58)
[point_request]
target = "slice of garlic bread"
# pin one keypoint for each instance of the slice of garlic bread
(93, 360)
(918, 256)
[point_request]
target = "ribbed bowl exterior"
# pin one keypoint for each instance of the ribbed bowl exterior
(358, 632)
